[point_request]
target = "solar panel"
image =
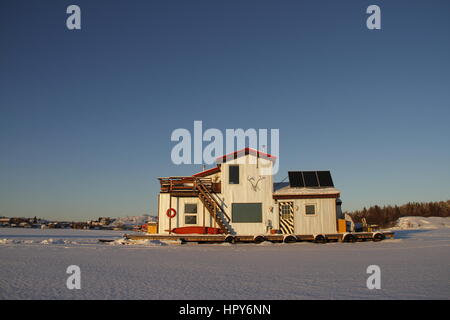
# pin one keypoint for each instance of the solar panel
(325, 179)
(296, 179)
(310, 178)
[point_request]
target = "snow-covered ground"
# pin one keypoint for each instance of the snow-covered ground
(33, 263)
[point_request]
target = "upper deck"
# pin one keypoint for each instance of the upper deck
(187, 185)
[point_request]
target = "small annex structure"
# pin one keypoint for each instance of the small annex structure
(235, 198)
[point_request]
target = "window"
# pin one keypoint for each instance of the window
(310, 209)
(190, 208)
(233, 174)
(190, 219)
(286, 210)
(246, 212)
(190, 213)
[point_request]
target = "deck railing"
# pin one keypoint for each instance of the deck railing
(187, 184)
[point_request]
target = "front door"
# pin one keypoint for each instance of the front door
(286, 210)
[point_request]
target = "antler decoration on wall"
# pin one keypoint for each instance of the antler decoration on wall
(254, 184)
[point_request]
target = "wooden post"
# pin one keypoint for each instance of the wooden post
(204, 216)
(170, 219)
(159, 214)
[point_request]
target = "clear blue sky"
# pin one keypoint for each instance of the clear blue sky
(86, 116)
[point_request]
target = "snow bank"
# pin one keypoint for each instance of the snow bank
(423, 223)
(132, 221)
(56, 241)
(45, 237)
(138, 242)
(15, 241)
(46, 241)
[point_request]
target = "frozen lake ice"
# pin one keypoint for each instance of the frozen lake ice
(33, 263)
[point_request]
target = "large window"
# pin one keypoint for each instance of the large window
(246, 212)
(233, 174)
(190, 213)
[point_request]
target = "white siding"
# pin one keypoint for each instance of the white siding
(244, 193)
(178, 205)
(324, 221)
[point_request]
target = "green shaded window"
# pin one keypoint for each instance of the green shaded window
(246, 212)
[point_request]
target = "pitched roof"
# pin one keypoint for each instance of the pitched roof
(244, 152)
(287, 192)
(208, 172)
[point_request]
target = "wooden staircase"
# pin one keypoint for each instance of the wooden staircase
(214, 208)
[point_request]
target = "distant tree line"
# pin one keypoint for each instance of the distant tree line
(386, 216)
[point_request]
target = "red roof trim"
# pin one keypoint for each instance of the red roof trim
(245, 151)
(207, 172)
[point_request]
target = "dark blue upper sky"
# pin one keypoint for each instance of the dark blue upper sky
(86, 116)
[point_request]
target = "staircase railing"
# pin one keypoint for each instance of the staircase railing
(201, 187)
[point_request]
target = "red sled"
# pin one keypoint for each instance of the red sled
(197, 230)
